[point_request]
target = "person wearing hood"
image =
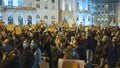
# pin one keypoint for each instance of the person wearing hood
(26, 55)
(36, 53)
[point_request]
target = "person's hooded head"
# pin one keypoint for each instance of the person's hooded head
(25, 44)
(6, 41)
(105, 38)
(114, 40)
(33, 45)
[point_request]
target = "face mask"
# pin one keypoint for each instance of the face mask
(73, 53)
(4, 46)
(25, 45)
(33, 45)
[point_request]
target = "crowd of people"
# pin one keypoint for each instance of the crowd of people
(29, 49)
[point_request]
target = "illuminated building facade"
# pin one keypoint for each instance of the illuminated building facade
(77, 11)
(0, 9)
(30, 11)
(119, 14)
(106, 12)
(86, 12)
(47, 10)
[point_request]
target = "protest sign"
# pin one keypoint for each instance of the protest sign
(66, 63)
(18, 30)
(10, 27)
(44, 65)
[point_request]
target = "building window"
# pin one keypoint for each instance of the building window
(53, 22)
(102, 19)
(0, 15)
(0, 2)
(29, 19)
(106, 12)
(37, 0)
(114, 6)
(106, 6)
(77, 18)
(88, 7)
(53, 17)
(77, 6)
(45, 17)
(102, 12)
(114, 12)
(98, 6)
(20, 3)
(83, 19)
(102, 6)
(37, 19)
(98, 19)
(38, 5)
(88, 18)
(111, 6)
(53, 1)
(98, 12)
(10, 2)
(10, 20)
(46, 6)
(66, 7)
(53, 7)
(20, 19)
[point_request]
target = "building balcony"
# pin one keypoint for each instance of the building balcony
(18, 8)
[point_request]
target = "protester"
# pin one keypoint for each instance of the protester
(58, 41)
(37, 54)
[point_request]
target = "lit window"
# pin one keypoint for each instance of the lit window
(45, 17)
(102, 19)
(53, 1)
